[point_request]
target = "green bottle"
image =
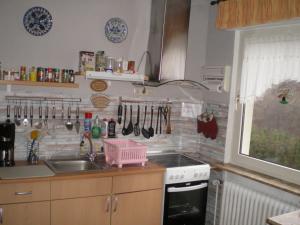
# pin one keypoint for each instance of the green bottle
(96, 130)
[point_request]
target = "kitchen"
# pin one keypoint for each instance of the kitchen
(60, 48)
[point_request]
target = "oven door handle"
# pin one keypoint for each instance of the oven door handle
(189, 188)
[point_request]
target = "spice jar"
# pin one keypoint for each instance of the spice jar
(33, 75)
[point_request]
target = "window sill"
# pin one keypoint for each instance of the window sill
(274, 182)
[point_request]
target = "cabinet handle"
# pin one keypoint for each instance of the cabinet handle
(24, 193)
(107, 204)
(1, 216)
(115, 204)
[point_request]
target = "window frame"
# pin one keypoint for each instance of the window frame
(234, 128)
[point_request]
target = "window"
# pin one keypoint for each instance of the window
(264, 127)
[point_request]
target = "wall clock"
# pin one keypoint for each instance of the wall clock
(37, 21)
(116, 30)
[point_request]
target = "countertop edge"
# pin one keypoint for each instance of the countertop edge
(111, 172)
(292, 218)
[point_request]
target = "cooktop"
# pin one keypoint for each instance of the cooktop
(173, 160)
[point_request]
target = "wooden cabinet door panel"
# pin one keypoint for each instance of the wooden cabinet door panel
(36, 213)
(137, 208)
(81, 211)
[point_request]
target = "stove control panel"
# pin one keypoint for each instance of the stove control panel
(187, 174)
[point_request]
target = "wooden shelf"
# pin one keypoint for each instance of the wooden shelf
(113, 76)
(39, 84)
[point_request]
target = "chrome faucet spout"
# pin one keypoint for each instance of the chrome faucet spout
(91, 153)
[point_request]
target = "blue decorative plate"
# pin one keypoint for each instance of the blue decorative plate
(116, 30)
(37, 21)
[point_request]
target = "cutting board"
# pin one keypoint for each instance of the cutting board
(25, 172)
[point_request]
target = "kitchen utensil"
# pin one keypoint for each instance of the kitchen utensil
(136, 128)
(25, 121)
(100, 101)
(168, 130)
(8, 113)
(120, 112)
(62, 112)
(69, 124)
(124, 123)
(31, 115)
(129, 128)
(19, 111)
(144, 130)
(53, 120)
(160, 119)
(165, 113)
(17, 122)
(157, 119)
(46, 116)
(77, 123)
(98, 85)
(151, 130)
(39, 123)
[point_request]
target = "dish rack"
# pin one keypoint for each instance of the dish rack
(121, 152)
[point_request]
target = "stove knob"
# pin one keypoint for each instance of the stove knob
(177, 176)
(171, 177)
(200, 175)
(195, 175)
(182, 176)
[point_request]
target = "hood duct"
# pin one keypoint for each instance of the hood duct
(168, 39)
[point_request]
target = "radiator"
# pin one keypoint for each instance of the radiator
(244, 206)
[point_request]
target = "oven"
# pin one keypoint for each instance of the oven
(185, 203)
(186, 185)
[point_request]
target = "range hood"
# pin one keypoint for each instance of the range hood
(168, 40)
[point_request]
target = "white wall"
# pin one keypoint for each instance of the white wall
(78, 25)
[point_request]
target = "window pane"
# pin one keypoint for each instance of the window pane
(275, 132)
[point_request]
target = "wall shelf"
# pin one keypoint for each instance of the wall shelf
(113, 76)
(39, 84)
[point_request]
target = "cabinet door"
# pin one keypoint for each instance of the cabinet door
(81, 211)
(137, 208)
(36, 213)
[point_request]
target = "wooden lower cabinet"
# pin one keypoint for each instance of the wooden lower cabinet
(35, 213)
(137, 208)
(81, 211)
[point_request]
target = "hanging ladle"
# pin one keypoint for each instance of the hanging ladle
(151, 129)
(136, 128)
(69, 124)
(145, 131)
(129, 128)
(124, 128)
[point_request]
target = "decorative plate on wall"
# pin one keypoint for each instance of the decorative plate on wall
(116, 30)
(37, 21)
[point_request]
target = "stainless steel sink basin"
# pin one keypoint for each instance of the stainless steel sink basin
(65, 166)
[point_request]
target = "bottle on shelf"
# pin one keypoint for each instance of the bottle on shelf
(96, 130)
(87, 123)
(33, 74)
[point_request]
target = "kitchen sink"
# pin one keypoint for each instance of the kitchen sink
(77, 165)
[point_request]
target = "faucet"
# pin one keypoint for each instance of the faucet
(91, 154)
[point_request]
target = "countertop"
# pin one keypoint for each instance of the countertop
(292, 218)
(107, 172)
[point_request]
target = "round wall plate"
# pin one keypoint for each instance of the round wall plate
(116, 30)
(37, 21)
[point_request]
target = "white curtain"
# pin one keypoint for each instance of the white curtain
(270, 57)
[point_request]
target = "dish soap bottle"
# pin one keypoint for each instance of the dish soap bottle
(96, 130)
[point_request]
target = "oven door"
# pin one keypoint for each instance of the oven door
(185, 203)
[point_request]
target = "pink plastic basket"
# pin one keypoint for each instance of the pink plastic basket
(120, 152)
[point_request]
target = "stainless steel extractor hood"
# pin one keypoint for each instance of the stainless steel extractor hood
(168, 39)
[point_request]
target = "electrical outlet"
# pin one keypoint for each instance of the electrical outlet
(190, 110)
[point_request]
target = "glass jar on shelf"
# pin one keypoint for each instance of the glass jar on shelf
(119, 66)
(110, 62)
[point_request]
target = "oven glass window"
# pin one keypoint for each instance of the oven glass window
(185, 207)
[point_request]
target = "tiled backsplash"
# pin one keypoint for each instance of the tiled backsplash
(184, 138)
